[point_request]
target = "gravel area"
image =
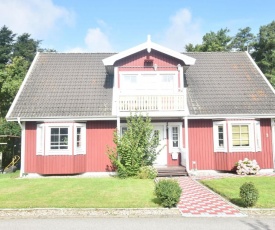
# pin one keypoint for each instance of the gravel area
(89, 212)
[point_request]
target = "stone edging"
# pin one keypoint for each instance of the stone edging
(258, 211)
(88, 212)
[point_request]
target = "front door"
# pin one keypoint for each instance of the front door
(161, 160)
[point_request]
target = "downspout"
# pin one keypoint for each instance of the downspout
(186, 142)
(273, 141)
(23, 139)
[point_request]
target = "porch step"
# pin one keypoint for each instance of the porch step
(172, 171)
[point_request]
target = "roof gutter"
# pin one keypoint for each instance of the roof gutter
(231, 116)
(56, 119)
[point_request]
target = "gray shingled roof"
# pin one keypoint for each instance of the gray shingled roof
(66, 85)
(227, 83)
(76, 85)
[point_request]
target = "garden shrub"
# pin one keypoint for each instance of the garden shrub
(135, 148)
(168, 192)
(249, 194)
(247, 167)
(147, 172)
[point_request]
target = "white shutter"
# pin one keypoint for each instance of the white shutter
(258, 136)
(40, 139)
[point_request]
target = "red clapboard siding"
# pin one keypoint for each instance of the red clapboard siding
(201, 148)
(99, 136)
(201, 144)
(163, 61)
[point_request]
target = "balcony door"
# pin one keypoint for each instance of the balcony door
(159, 130)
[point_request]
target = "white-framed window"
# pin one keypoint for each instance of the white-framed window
(158, 80)
(220, 136)
(80, 138)
(175, 136)
(60, 138)
(243, 136)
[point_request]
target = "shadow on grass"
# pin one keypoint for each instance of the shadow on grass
(238, 202)
(156, 201)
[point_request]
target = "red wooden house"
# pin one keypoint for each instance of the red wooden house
(209, 109)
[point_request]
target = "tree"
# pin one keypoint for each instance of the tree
(243, 40)
(135, 148)
(11, 78)
(264, 53)
(26, 47)
(6, 45)
(212, 42)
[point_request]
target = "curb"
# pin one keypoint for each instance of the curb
(88, 212)
(258, 212)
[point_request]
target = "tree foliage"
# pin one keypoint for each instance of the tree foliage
(135, 148)
(243, 40)
(265, 51)
(212, 42)
(6, 45)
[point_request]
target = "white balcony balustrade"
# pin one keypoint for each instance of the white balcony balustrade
(132, 103)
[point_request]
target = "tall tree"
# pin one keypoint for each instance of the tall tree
(26, 47)
(243, 40)
(264, 53)
(6, 45)
(11, 78)
(212, 42)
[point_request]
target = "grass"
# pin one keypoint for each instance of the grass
(106, 192)
(229, 188)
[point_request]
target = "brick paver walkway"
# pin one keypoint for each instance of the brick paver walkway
(198, 201)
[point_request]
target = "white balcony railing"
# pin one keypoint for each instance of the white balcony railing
(133, 103)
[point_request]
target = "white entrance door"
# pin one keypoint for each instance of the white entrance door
(162, 156)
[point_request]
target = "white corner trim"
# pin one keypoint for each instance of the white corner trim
(109, 61)
(22, 85)
(23, 139)
(259, 70)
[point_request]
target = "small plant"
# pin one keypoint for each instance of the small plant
(168, 192)
(249, 194)
(247, 167)
(147, 172)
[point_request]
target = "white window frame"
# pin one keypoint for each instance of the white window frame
(170, 132)
(48, 150)
(254, 136)
(141, 82)
(251, 147)
(217, 147)
(82, 148)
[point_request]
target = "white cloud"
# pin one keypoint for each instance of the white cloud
(182, 30)
(37, 17)
(95, 41)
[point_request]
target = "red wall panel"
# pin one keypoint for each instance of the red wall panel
(201, 148)
(99, 135)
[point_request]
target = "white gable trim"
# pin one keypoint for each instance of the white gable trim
(22, 85)
(260, 72)
(148, 46)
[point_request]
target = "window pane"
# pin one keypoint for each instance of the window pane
(59, 138)
(175, 136)
(54, 131)
(240, 135)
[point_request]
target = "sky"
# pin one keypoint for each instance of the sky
(117, 25)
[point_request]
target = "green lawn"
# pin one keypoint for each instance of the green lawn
(230, 188)
(106, 192)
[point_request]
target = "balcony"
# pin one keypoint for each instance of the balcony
(151, 103)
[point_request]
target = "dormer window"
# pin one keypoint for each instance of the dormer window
(148, 63)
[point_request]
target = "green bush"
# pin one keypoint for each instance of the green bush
(137, 147)
(249, 194)
(147, 172)
(168, 192)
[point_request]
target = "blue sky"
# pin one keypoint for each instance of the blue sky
(113, 26)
